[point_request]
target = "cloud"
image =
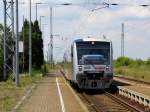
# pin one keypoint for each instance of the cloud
(109, 22)
(78, 21)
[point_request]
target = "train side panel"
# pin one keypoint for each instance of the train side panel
(74, 63)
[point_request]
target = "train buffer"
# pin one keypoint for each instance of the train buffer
(53, 94)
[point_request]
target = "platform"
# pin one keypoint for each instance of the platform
(134, 90)
(135, 86)
(53, 94)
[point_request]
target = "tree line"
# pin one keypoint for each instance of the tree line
(37, 47)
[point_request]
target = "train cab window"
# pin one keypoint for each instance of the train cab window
(98, 48)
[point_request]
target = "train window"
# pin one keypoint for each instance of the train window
(93, 59)
(99, 48)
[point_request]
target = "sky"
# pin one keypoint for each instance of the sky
(79, 21)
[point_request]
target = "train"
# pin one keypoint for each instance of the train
(92, 63)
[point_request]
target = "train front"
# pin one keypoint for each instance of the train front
(94, 64)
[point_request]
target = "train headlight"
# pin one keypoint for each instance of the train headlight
(107, 68)
(80, 68)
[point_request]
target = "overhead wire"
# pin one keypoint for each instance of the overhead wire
(141, 5)
(82, 25)
(88, 16)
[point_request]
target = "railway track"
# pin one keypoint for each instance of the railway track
(134, 80)
(106, 102)
(102, 101)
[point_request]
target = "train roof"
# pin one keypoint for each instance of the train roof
(92, 39)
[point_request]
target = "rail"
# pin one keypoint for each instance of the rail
(104, 102)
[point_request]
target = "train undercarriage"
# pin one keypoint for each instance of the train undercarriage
(93, 81)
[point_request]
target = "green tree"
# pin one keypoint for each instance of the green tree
(37, 46)
(24, 36)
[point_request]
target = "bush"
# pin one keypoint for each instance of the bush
(139, 62)
(119, 71)
(148, 61)
(123, 61)
(44, 69)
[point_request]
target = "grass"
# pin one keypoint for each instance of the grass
(10, 94)
(137, 69)
(47, 68)
(136, 72)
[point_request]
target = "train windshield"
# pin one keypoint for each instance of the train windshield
(93, 52)
(93, 59)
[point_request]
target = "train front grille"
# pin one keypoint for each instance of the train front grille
(94, 76)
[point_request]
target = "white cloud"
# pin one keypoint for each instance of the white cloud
(68, 21)
(109, 22)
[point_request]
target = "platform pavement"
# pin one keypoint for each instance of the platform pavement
(135, 86)
(52, 94)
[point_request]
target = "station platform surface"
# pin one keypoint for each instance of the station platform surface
(53, 94)
(135, 86)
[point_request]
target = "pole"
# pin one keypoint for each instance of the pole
(36, 10)
(122, 41)
(4, 42)
(43, 29)
(23, 45)
(30, 44)
(40, 22)
(13, 37)
(17, 46)
(48, 59)
(47, 56)
(51, 37)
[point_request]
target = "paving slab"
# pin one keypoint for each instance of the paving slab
(52, 94)
(70, 102)
(43, 98)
